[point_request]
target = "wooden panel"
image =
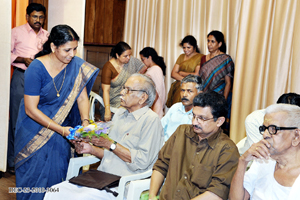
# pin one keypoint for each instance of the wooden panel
(89, 21)
(44, 3)
(108, 23)
(118, 21)
(99, 22)
(104, 22)
(98, 56)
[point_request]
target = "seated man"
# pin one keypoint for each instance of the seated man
(274, 174)
(138, 137)
(256, 119)
(199, 160)
(180, 113)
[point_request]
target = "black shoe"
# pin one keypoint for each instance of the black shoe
(11, 170)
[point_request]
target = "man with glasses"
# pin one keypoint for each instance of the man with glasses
(135, 140)
(256, 118)
(199, 160)
(181, 113)
(274, 173)
(26, 41)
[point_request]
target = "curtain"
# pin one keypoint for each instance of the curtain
(262, 37)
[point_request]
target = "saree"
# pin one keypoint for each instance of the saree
(41, 155)
(133, 66)
(213, 74)
(186, 66)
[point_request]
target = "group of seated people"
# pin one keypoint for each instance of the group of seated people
(197, 161)
(187, 149)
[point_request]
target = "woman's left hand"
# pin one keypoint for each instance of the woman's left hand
(180, 73)
(85, 123)
(143, 70)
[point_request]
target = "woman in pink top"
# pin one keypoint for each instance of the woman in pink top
(156, 69)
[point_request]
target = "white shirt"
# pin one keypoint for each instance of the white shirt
(260, 183)
(252, 123)
(175, 116)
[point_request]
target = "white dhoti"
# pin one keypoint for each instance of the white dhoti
(66, 190)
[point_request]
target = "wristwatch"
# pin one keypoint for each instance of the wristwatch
(113, 146)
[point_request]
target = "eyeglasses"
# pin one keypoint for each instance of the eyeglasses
(127, 90)
(35, 17)
(273, 129)
(200, 119)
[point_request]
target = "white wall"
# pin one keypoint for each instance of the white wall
(70, 12)
(5, 30)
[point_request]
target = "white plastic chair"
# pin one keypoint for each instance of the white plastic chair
(76, 163)
(94, 96)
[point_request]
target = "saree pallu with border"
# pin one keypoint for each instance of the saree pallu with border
(213, 74)
(41, 155)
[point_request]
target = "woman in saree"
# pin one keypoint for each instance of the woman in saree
(217, 69)
(156, 70)
(114, 75)
(57, 84)
(186, 64)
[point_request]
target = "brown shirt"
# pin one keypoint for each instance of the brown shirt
(192, 167)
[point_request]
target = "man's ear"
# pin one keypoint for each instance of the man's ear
(296, 140)
(27, 17)
(143, 98)
(220, 121)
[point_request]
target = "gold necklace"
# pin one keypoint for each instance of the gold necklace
(57, 91)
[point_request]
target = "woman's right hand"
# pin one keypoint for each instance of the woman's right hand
(107, 115)
(66, 131)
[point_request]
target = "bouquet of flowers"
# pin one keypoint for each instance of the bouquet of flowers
(98, 129)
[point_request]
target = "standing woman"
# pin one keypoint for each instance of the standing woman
(114, 75)
(217, 69)
(57, 84)
(187, 63)
(156, 70)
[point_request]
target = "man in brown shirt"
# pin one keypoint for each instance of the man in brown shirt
(199, 160)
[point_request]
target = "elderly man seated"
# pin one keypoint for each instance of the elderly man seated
(275, 171)
(180, 113)
(137, 134)
(256, 118)
(199, 160)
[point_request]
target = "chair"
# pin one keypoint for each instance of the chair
(94, 96)
(76, 163)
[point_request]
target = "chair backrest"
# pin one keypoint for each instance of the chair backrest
(94, 96)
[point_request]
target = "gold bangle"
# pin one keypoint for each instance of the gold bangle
(49, 123)
(63, 132)
(86, 120)
(106, 106)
